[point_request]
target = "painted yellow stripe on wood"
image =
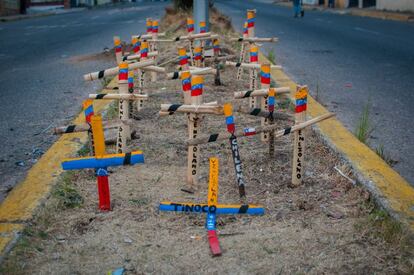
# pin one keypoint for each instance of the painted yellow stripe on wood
(212, 198)
(98, 135)
(387, 183)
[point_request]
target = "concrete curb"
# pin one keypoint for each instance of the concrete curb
(385, 15)
(35, 15)
(390, 190)
(20, 206)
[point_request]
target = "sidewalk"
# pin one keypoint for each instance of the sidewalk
(366, 12)
(40, 12)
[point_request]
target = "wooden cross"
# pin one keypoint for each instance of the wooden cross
(249, 37)
(254, 59)
(101, 161)
(242, 55)
(212, 208)
(299, 141)
(193, 106)
(265, 84)
(153, 46)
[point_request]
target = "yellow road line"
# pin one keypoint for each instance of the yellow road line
(391, 190)
(22, 202)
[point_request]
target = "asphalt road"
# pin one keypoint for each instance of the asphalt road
(352, 60)
(41, 83)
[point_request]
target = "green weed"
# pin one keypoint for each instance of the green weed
(66, 194)
(271, 56)
(364, 128)
(84, 151)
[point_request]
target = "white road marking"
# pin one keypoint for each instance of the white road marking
(366, 31)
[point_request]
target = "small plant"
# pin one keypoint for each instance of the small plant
(84, 151)
(271, 56)
(67, 195)
(385, 226)
(364, 128)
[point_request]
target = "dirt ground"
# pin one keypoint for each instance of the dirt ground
(325, 226)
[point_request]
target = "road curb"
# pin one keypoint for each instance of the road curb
(391, 191)
(20, 206)
(379, 14)
(36, 15)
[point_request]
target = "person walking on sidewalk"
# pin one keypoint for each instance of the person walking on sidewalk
(297, 9)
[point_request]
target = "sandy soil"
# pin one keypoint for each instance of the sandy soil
(320, 227)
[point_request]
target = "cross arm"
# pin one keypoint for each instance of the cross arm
(260, 92)
(255, 39)
(138, 56)
(169, 109)
(253, 131)
(223, 209)
(115, 70)
(104, 161)
(119, 96)
(249, 65)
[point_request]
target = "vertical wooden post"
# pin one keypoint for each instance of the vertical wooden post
(265, 84)
(271, 102)
(193, 131)
(242, 51)
(186, 86)
(98, 132)
(136, 48)
(123, 130)
(197, 56)
(254, 58)
(149, 25)
(183, 59)
(118, 49)
(136, 45)
(216, 50)
(87, 106)
(231, 128)
(149, 29)
(190, 30)
(203, 43)
(141, 74)
(216, 47)
(299, 141)
(251, 19)
(101, 173)
(154, 46)
(131, 91)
